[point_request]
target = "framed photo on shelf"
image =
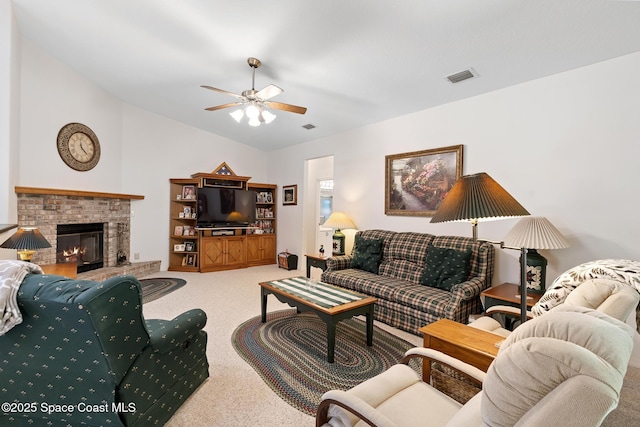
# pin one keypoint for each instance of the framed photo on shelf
(179, 247)
(178, 230)
(188, 192)
(290, 194)
(186, 211)
(191, 259)
(417, 182)
(189, 246)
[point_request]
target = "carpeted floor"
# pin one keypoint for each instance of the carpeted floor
(289, 352)
(235, 395)
(157, 287)
(628, 412)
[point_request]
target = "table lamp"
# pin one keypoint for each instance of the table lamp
(477, 197)
(338, 221)
(26, 240)
(529, 234)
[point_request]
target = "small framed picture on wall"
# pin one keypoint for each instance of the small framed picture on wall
(290, 195)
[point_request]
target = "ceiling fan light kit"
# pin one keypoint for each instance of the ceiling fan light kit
(255, 103)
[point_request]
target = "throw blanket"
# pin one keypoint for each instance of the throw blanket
(622, 270)
(11, 275)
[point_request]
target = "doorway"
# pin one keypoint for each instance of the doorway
(318, 206)
(325, 207)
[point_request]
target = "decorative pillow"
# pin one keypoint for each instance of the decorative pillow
(367, 254)
(445, 267)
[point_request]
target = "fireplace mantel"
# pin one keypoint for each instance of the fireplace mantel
(78, 193)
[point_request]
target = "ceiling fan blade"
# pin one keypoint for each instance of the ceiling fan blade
(220, 107)
(269, 92)
(286, 107)
(226, 92)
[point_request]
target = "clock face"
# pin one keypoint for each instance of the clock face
(81, 147)
(78, 147)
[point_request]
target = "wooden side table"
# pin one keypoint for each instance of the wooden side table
(67, 269)
(470, 345)
(507, 294)
(317, 261)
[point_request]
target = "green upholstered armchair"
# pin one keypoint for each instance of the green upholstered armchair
(84, 355)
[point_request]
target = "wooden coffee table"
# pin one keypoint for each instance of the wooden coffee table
(331, 303)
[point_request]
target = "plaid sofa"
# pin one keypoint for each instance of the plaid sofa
(402, 301)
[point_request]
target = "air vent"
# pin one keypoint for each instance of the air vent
(462, 76)
(309, 126)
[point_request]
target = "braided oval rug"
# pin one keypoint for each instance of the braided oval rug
(289, 352)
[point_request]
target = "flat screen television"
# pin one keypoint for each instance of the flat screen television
(225, 207)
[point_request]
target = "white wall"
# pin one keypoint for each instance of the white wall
(9, 117)
(52, 96)
(566, 147)
(156, 149)
(140, 151)
(9, 120)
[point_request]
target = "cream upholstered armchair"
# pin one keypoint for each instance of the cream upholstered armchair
(612, 297)
(557, 369)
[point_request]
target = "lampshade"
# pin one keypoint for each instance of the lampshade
(339, 220)
(477, 197)
(26, 240)
(529, 234)
(535, 232)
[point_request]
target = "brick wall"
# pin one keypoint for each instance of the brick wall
(46, 211)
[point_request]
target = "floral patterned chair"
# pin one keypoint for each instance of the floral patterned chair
(84, 355)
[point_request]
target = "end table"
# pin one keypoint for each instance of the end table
(318, 261)
(507, 294)
(471, 345)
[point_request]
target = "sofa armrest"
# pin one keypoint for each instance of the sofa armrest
(165, 335)
(341, 262)
(470, 289)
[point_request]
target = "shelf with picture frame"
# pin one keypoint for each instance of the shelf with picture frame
(261, 241)
(182, 223)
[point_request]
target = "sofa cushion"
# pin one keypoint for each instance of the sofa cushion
(366, 283)
(445, 267)
(404, 256)
(367, 254)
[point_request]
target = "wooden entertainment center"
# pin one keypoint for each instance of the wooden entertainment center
(203, 249)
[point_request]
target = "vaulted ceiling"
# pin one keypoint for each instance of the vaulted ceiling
(351, 63)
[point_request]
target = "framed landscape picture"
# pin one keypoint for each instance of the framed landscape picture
(417, 182)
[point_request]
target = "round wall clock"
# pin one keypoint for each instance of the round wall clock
(78, 146)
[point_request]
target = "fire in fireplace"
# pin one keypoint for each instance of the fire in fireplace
(82, 244)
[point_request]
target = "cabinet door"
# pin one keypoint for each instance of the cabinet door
(261, 250)
(211, 253)
(254, 252)
(236, 251)
(268, 245)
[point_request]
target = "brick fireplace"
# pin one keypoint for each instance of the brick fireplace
(48, 208)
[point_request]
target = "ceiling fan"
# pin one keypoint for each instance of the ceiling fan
(254, 102)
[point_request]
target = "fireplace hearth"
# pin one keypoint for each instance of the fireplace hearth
(82, 244)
